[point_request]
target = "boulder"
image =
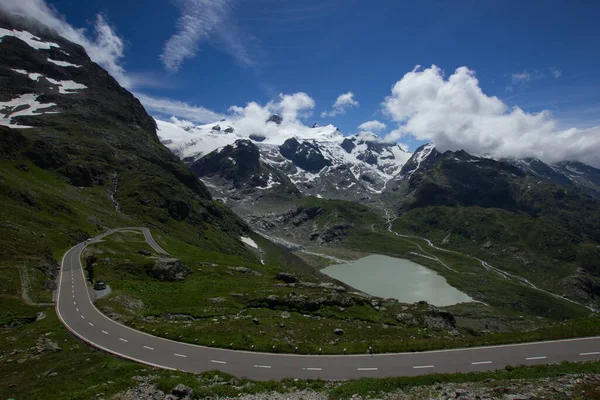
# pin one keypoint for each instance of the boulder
(168, 269)
(286, 277)
(338, 331)
(407, 319)
(46, 345)
(181, 391)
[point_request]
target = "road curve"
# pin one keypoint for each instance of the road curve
(77, 311)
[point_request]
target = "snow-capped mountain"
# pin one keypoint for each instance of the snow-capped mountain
(316, 160)
(565, 173)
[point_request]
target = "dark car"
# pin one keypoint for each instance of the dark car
(99, 285)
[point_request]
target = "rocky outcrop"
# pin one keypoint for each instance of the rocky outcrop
(286, 277)
(304, 303)
(305, 155)
(168, 269)
(430, 317)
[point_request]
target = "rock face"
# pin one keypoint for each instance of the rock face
(305, 155)
(168, 269)
(431, 318)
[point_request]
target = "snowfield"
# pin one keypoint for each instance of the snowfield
(28, 38)
(249, 241)
(25, 104)
(63, 63)
(365, 154)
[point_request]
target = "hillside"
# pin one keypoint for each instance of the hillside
(539, 223)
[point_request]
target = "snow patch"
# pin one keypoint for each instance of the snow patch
(67, 87)
(28, 38)
(249, 241)
(25, 104)
(63, 63)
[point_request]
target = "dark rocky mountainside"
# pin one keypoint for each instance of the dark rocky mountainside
(88, 132)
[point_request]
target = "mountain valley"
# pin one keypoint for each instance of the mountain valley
(248, 216)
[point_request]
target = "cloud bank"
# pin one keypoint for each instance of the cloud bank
(372, 126)
(455, 114)
(341, 104)
(169, 107)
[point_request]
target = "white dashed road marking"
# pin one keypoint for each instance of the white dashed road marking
(123, 340)
(149, 348)
(90, 324)
(481, 362)
(535, 358)
(82, 317)
(106, 333)
(261, 366)
(179, 355)
(366, 369)
(592, 353)
(77, 309)
(312, 369)
(218, 362)
(422, 366)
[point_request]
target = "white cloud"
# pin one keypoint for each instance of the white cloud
(372, 126)
(168, 107)
(200, 21)
(520, 77)
(341, 104)
(105, 46)
(556, 73)
(455, 114)
(253, 117)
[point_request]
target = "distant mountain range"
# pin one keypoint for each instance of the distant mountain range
(322, 162)
(317, 161)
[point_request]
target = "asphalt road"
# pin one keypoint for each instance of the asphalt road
(76, 310)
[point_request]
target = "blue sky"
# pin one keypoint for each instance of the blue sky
(537, 55)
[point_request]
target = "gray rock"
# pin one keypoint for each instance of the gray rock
(40, 316)
(285, 315)
(407, 319)
(47, 345)
(144, 252)
(217, 300)
(181, 391)
(286, 277)
(338, 331)
(255, 321)
(168, 269)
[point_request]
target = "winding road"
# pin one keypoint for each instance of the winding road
(77, 311)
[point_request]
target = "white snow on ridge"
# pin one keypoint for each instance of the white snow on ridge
(67, 87)
(63, 63)
(188, 139)
(28, 38)
(34, 76)
(422, 155)
(14, 108)
(64, 87)
(369, 156)
(249, 241)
